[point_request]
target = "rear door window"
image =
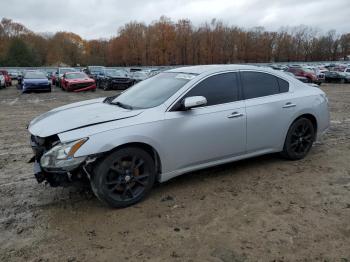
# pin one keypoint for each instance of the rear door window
(258, 84)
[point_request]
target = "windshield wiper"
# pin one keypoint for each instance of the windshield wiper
(122, 105)
(109, 99)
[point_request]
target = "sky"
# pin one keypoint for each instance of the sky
(93, 19)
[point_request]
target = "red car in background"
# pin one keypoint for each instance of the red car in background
(77, 81)
(305, 72)
(8, 80)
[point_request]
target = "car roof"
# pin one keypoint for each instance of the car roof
(214, 68)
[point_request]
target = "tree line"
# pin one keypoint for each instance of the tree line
(165, 42)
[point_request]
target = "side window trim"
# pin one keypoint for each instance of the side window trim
(180, 97)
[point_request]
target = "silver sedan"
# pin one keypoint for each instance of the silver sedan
(178, 121)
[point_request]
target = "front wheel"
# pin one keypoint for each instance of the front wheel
(124, 177)
(299, 140)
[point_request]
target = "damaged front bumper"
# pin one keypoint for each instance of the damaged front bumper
(58, 177)
(69, 170)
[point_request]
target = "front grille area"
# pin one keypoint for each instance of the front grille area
(35, 85)
(80, 85)
(120, 83)
(120, 80)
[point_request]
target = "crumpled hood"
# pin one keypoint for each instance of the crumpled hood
(77, 115)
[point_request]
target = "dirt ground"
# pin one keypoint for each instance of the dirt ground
(261, 209)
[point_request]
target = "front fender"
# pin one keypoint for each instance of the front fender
(106, 141)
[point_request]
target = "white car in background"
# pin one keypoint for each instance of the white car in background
(347, 74)
(2, 81)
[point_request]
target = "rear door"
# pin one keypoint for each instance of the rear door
(270, 107)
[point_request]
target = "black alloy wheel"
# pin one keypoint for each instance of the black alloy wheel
(299, 140)
(124, 177)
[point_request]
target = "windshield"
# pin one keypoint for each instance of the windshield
(34, 75)
(153, 91)
(66, 70)
(308, 70)
(115, 73)
(76, 76)
(96, 69)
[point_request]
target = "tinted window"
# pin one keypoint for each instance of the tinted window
(256, 84)
(283, 85)
(217, 89)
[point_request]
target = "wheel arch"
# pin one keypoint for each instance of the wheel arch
(146, 147)
(310, 117)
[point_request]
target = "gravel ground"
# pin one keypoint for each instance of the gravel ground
(261, 209)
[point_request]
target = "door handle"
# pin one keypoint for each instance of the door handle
(235, 114)
(289, 104)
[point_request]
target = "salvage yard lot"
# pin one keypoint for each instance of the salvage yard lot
(263, 208)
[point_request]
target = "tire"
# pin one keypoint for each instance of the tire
(342, 81)
(299, 139)
(124, 177)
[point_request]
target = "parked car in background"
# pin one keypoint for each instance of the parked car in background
(20, 77)
(13, 74)
(305, 72)
(2, 81)
(53, 78)
(335, 76)
(114, 79)
(8, 80)
(300, 78)
(176, 122)
(139, 76)
(278, 67)
(346, 72)
(60, 72)
(35, 81)
(77, 82)
(94, 71)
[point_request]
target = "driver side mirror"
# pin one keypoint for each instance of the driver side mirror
(193, 101)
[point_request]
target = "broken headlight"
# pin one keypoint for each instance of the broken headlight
(61, 156)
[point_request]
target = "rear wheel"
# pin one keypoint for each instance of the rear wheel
(299, 140)
(124, 177)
